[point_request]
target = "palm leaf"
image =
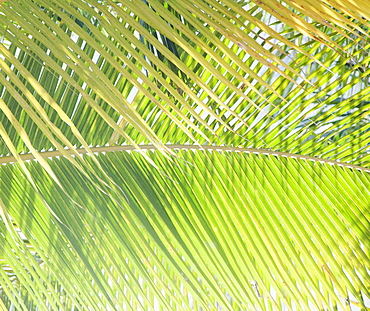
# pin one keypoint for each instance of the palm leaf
(286, 227)
(184, 155)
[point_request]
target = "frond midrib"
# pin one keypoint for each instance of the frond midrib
(102, 149)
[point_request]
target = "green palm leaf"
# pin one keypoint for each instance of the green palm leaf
(184, 155)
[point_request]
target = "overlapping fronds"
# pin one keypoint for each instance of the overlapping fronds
(275, 229)
(283, 76)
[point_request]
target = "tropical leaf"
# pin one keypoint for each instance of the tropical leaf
(223, 229)
(184, 155)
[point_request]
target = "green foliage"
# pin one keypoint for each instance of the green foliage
(184, 155)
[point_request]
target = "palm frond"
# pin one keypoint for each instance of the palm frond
(184, 155)
(224, 229)
(280, 91)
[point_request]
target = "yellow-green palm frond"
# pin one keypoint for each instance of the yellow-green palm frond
(234, 230)
(184, 155)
